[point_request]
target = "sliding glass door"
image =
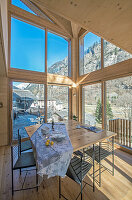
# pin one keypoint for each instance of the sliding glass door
(27, 106)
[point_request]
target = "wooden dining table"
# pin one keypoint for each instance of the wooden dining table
(80, 137)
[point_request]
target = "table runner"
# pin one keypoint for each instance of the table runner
(52, 160)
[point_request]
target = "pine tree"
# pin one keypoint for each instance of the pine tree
(109, 111)
(98, 112)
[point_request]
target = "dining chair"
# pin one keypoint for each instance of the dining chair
(20, 161)
(77, 170)
(25, 145)
(101, 152)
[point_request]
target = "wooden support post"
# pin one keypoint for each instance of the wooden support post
(126, 132)
(123, 131)
(110, 125)
(104, 117)
(130, 134)
(45, 103)
(70, 102)
(117, 129)
(80, 103)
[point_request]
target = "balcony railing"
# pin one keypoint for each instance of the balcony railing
(123, 128)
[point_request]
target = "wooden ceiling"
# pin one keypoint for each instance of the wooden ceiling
(110, 19)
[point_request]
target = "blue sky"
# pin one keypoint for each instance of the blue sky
(22, 5)
(89, 40)
(28, 45)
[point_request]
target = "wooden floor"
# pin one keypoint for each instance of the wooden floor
(118, 187)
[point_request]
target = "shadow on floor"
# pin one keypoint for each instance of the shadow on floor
(119, 170)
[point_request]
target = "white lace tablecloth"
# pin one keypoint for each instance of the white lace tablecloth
(52, 160)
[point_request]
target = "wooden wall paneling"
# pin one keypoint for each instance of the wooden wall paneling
(3, 66)
(4, 140)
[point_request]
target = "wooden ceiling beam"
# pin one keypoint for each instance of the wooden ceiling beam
(35, 9)
(82, 32)
(110, 20)
(35, 20)
(75, 29)
(60, 21)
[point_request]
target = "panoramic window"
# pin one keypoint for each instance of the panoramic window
(91, 105)
(27, 46)
(90, 53)
(57, 61)
(119, 109)
(21, 5)
(57, 104)
(114, 54)
(28, 106)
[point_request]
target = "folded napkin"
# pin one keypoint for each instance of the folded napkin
(93, 128)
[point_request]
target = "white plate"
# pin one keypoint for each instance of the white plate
(58, 137)
(45, 130)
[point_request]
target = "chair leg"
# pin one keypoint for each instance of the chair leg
(12, 170)
(20, 171)
(99, 164)
(81, 189)
(59, 187)
(12, 184)
(93, 167)
(36, 180)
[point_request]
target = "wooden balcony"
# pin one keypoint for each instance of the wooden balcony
(123, 128)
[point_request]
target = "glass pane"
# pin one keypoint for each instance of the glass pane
(92, 53)
(119, 109)
(21, 5)
(114, 54)
(92, 106)
(28, 106)
(57, 55)
(57, 104)
(27, 46)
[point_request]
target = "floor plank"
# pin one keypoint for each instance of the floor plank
(114, 188)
